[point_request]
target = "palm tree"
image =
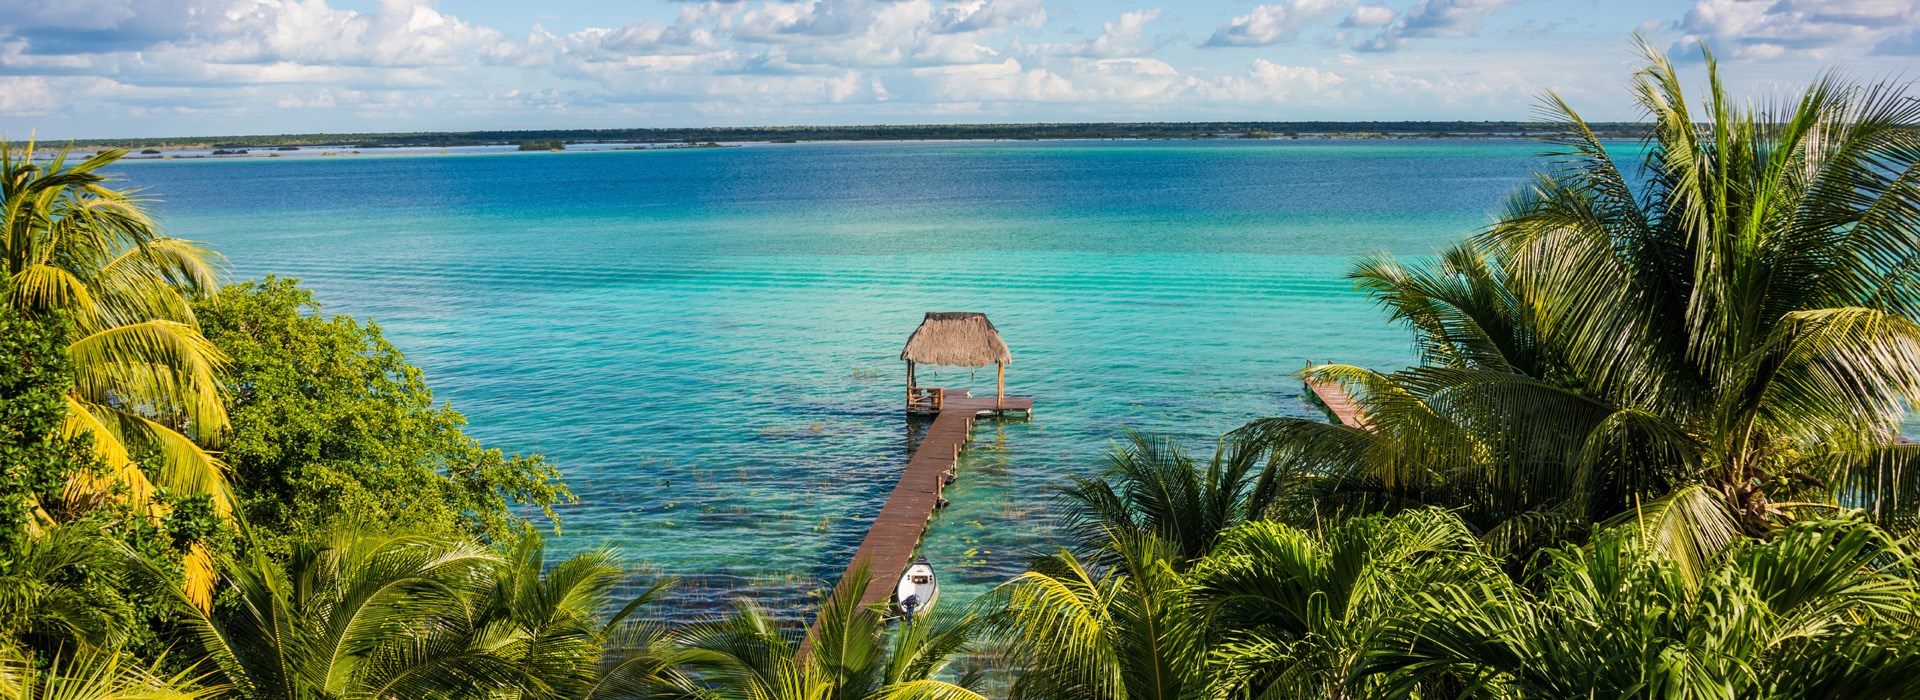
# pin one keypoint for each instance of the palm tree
(144, 377)
(397, 616)
(1295, 612)
(848, 654)
(1826, 609)
(550, 624)
(1272, 611)
(1103, 631)
(92, 674)
(1740, 314)
(1151, 487)
(47, 600)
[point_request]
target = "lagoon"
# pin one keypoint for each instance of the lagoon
(705, 341)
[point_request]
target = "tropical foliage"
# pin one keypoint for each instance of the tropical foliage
(144, 379)
(1151, 487)
(361, 615)
(1650, 452)
(1823, 610)
(847, 654)
(331, 425)
(93, 674)
(1739, 312)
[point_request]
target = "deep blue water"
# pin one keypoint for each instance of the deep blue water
(706, 341)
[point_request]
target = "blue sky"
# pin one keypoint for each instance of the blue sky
(110, 68)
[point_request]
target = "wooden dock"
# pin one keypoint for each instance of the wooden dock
(894, 535)
(1339, 402)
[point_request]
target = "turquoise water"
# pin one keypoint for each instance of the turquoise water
(706, 341)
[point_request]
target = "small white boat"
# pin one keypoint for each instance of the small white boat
(917, 590)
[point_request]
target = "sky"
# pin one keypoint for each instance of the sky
(125, 68)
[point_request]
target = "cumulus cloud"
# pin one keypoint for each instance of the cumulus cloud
(397, 33)
(1761, 29)
(1368, 17)
(802, 21)
(1120, 38)
(980, 15)
(994, 82)
(1273, 24)
(27, 96)
(1434, 18)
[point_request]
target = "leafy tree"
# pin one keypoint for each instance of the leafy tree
(846, 655)
(36, 460)
(330, 423)
(1824, 610)
(143, 377)
(1743, 316)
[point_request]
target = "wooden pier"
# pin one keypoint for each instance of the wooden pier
(1339, 402)
(894, 535)
(954, 339)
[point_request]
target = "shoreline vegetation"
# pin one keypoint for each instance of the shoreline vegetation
(1649, 449)
(918, 132)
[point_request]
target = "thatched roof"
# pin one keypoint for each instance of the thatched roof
(956, 339)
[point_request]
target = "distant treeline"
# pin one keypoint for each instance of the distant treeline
(916, 132)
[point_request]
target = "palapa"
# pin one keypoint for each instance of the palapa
(956, 339)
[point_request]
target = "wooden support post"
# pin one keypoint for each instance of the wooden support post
(909, 384)
(1000, 396)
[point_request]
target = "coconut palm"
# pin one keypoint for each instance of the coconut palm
(144, 377)
(1739, 313)
(346, 618)
(1294, 612)
(550, 624)
(92, 674)
(1116, 629)
(1824, 610)
(848, 654)
(57, 591)
(393, 616)
(1150, 486)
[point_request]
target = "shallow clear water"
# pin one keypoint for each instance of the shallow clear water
(706, 341)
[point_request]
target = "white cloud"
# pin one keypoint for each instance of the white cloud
(1119, 38)
(1434, 18)
(802, 21)
(1764, 29)
(1272, 24)
(27, 96)
(1368, 17)
(993, 82)
(980, 15)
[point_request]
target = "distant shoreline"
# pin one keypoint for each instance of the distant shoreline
(955, 132)
(339, 152)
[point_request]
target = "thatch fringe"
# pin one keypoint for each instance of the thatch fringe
(956, 339)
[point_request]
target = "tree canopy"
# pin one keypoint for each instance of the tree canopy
(331, 426)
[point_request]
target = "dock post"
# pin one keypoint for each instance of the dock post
(1000, 392)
